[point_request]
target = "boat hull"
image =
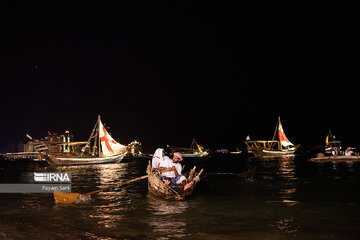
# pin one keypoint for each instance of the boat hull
(278, 153)
(71, 160)
(195, 155)
(272, 153)
(336, 159)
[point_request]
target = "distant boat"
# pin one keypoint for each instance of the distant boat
(281, 147)
(195, 150)
(331, 144)
(104, 149)
(335, 159)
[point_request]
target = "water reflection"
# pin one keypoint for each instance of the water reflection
(287, 168)
(110, 202)
(287, 225)
(114, 199)
(167, 217)
(101, 175)
(110, 173)
(287, 171)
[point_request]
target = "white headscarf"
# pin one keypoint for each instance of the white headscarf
(157, 158)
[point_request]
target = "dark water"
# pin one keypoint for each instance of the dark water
(288, 199)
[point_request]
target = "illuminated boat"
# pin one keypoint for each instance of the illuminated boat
(195, 150)
(271, 148)
(100, 148)
(331, 144)
(158, 188)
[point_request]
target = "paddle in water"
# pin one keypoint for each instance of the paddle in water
(69, 198)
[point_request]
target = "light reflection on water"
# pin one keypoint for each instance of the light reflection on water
(287, 225)
(287, 168)
(165, 217)
(287, 171)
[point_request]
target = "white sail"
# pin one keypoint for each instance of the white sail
(108, 145)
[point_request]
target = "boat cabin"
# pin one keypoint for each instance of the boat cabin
(329, 146)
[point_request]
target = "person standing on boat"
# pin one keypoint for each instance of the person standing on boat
(335, 151)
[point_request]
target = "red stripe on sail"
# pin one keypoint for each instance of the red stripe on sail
(282, 136)
(106, 140)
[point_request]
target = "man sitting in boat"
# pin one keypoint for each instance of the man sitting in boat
(158, 157)
(170, 170)
(179, 180)
(335, 151)
(348, 151)
(163, 164)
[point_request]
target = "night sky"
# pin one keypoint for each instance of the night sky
(167, 72)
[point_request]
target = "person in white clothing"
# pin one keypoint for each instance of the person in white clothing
(163, 164)
(157, 158)
(170, 169)
(348, 152)
(179, 179)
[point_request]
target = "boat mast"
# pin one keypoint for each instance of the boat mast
(276, 128)
(192, 146)
(100, 154)
(95, 140)
(89, 140)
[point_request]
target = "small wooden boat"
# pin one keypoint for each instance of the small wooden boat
(236, 152)
(104, 149)
(272, 148)
(195, 150)
(158, 188)
(335, 159)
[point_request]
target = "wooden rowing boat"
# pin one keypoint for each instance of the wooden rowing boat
(158, 188)
(337, 158)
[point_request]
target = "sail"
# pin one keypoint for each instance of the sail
(327, 140)
(282, 137)
(195, 145)
(108, 145)
(201, 148)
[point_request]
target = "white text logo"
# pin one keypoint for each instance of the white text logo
(52, 177)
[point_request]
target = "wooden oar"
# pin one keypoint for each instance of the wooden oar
(68, 198)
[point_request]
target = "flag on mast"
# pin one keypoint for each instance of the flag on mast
(108, 145)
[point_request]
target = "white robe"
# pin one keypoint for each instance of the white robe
(167, 163)
(157, 158)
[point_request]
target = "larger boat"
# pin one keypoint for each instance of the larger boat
(100, 148)
(195, 150)
(280, 147)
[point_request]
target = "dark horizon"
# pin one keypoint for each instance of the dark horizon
(165, 73)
